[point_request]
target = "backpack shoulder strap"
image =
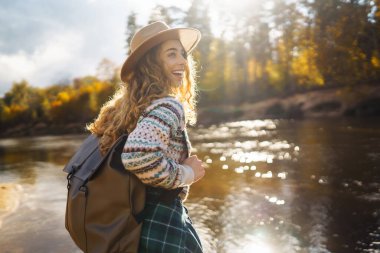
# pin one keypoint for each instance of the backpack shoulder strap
(87, 148)
(88, 158)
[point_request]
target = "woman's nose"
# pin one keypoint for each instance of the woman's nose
(182, 59)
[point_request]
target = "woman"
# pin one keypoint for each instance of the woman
(153, 106)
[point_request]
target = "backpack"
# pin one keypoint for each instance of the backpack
(105, 202)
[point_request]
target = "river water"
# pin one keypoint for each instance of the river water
(271, 186)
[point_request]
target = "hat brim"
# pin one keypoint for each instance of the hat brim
(189, 38)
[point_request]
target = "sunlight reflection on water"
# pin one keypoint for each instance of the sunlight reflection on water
(271, 186)
(256, 151)
(252, 213)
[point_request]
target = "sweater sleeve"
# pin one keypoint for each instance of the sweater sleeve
(145, 149)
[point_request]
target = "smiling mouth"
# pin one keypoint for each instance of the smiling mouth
(178, 73)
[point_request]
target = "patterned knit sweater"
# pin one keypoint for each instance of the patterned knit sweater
(158, 145)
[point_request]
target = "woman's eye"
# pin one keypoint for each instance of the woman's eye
(174, 54)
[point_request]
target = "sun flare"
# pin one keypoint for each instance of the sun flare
(258, 247)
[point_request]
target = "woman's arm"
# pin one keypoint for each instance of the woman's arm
(145, 148)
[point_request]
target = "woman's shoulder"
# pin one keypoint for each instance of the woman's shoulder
(173, 101)
(169, 106)
(168, 102)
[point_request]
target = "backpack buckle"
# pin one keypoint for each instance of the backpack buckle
(69, 180)
(84, 189)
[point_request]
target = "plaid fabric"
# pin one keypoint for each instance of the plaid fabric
(168, 229)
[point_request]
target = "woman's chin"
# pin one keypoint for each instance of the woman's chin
(178, 83)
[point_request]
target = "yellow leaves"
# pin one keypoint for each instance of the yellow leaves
(86, 89)
(91, 87)
(17, 108)
(375, 61)
(98, 86)
(12, 111)
(6, 110)
(251, 70)
(274, 73)
(304, 68)
(6, 113)
(56, 103)
(63, 96)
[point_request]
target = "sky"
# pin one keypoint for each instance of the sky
(48, 41)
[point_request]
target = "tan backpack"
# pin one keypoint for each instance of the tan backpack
(105, 202)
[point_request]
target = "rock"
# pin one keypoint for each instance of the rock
(326, 106)
(367, 108)
(276, 110)
(295, 112)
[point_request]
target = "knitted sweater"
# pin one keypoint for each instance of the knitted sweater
(158, 145)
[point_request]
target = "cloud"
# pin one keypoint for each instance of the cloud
(49, 62)
(44, 42)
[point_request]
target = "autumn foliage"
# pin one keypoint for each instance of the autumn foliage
(78, 102)
(267, 48)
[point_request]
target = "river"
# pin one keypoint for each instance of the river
(271, 186)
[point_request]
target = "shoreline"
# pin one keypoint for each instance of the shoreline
(341, 102)
(344, 102)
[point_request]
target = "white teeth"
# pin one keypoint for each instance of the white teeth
(178, 72)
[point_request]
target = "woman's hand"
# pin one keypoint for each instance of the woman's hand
(196, 165)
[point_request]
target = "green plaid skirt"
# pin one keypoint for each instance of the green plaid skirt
(168, 229)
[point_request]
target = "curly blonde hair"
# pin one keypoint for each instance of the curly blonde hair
(146, 83)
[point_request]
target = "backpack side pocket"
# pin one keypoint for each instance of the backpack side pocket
(76, 213)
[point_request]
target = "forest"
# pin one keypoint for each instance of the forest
(266, 49)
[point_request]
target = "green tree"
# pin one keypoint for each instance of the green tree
(22, 104)
(198, 17)
(131, 29)
(261, 52)
(288, 20)
(344, 36)
(214, 81)
(162, 13)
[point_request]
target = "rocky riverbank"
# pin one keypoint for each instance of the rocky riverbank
(360, 101)
(40, 129)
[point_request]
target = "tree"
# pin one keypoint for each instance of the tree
(213, 83)
(161, 13)
(344, 44)
(288, 20)
(106, 70)
(131, 29)
(23, 104)
(198, 17)
(260, 55)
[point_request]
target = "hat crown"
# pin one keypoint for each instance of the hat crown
(146, 33)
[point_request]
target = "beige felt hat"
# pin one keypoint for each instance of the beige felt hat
(154, 34)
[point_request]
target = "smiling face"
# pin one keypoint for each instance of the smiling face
(173, 59)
